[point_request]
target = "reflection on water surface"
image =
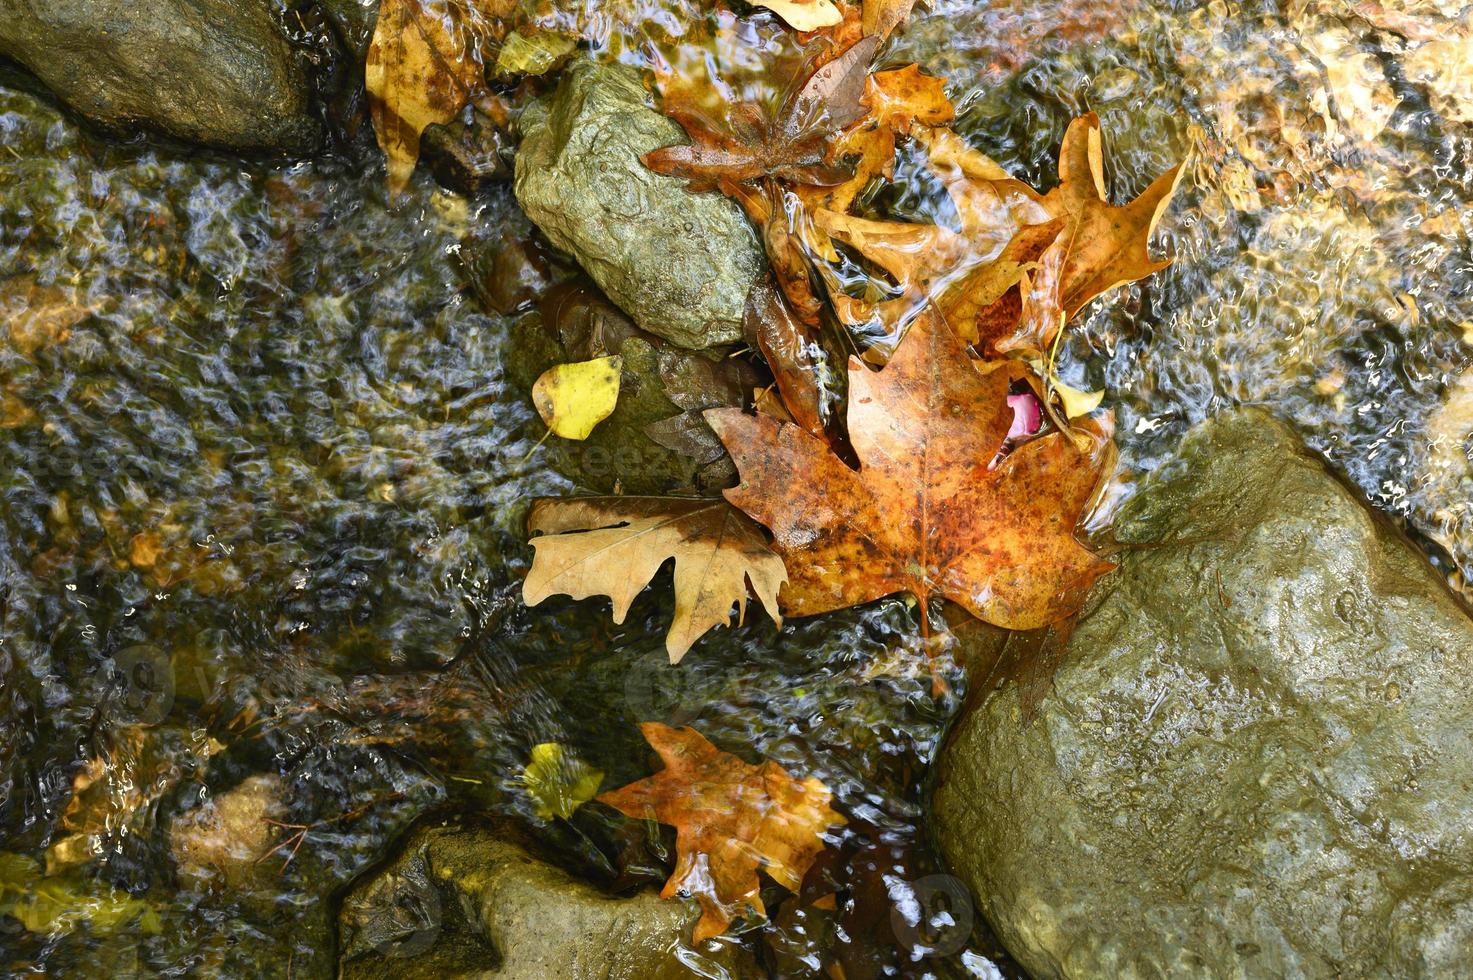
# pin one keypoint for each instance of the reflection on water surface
(262, 479)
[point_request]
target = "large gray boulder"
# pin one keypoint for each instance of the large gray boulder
(468, 902)
(1254, 758)
(680, 264)
(218, 72)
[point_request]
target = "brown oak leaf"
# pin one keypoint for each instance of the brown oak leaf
(791, 147)
(931, 510)
(731, 818)
(613, 546)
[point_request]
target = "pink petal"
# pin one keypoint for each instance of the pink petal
(1027, 415)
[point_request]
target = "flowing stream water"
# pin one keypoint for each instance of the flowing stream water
(261, 509)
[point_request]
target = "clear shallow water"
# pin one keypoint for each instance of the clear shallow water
(277, 476)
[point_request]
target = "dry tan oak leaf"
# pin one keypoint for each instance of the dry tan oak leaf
(804, 15)
(613, 546)
(423, 67)
(731, 818)
(930, 511)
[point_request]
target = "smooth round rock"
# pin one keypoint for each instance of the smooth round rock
(1255, 758)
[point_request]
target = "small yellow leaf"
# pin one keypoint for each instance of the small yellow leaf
(534, 54)
(558, 782)
(803, 15)
(1077, 403)
(573, 398)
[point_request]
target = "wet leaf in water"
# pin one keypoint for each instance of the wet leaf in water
(881, 17)
(573, 398)
(803, 15)
(1005, 227)
(800, 365)
(58, 904)
(731, 818)
(558, 781)
(424, 65)
(896, 101)
(1105, 246)
(927, 513)
(613, 546)
(792, 147)
(533, 54)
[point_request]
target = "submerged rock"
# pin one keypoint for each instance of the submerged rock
(468, 902)
(1253, 759)
(681, 264)
(226, 837)
(656, 440)
(218, 72)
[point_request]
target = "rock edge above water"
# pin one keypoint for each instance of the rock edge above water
(1254, 758)
(217, 72)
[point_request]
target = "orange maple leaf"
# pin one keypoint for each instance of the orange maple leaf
(931, 510)
(1005, 228)
(730, 818)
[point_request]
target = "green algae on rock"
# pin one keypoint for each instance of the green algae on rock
(1253, 758)
(460, 899)
(655, 441)
(680, 264)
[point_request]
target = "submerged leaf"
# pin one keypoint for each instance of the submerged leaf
(533, 54)
(58, 904)
(613, 546)
(793, 146)
(559, 782)
(36, 316)
(573, 398)
(881, 17)
(423, 66)
(731, 818)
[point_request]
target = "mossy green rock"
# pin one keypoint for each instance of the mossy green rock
(656, 441)
(469, 902)
(219, 72)
(1254, 757)
(680, 264)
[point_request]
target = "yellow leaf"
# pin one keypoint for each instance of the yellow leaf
(1077, 403)
(573, 398)
(558, 782)
(803, 15)
(533, 54)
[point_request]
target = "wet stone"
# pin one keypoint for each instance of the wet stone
(471, 901)
(1252, 758)
(680, 264)
(219, 72)
(656, 440)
